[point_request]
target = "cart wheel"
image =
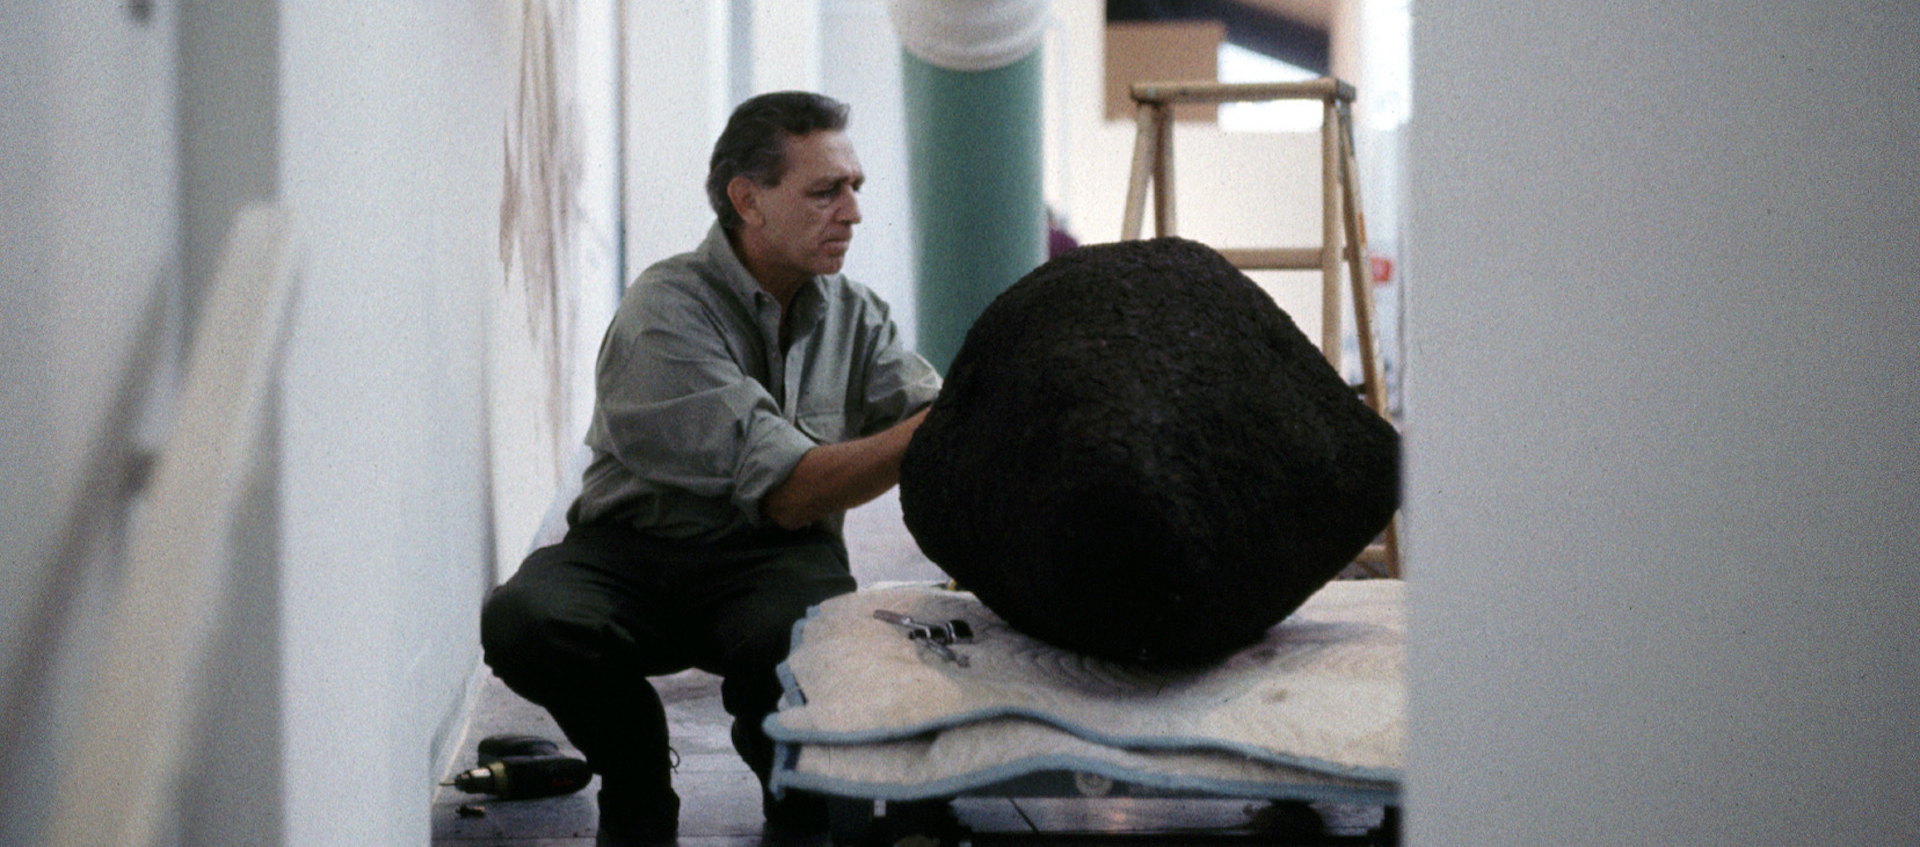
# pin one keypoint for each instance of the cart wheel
(923, 822)
(850, 821)
(1387, 834)
(1092, 784)
(1290, 817)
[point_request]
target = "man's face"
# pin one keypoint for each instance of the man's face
(806, 221)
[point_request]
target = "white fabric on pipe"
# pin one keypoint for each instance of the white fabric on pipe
(969, 35)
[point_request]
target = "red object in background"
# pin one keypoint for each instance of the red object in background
(1382, 268)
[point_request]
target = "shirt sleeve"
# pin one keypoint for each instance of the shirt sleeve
(678, 410)
(899, 382)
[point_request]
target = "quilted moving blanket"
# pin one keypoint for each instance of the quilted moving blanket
(1316, 710)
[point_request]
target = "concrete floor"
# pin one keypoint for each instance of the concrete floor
(721, 801)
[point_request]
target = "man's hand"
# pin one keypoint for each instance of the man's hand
(836, 477)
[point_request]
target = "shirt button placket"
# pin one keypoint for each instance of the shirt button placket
(776, 358)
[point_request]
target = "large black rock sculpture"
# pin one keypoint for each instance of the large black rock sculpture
(1138, 456)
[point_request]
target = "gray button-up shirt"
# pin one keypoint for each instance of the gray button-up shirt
(700, 412)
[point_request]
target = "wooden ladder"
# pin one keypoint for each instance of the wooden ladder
(1344, 235)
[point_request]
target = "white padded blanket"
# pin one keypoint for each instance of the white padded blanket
(1315, 710)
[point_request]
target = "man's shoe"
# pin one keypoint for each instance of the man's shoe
(636, 819)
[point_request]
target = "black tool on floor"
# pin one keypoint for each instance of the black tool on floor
(523, 767)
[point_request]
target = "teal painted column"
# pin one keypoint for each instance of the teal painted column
(973, 99)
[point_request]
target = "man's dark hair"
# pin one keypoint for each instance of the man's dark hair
(754, 144)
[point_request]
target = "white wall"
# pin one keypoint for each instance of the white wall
(453, 172)
(784, 38)
(417, 335)
(560, 240)
(88, 240)
(676, 103)
(391, 132)
(860, 64)
(1664, 328)
(680, 69)
(88, 232)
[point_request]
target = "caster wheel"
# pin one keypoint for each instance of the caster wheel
(1387, 834)
(851, 823)
(1289, 817)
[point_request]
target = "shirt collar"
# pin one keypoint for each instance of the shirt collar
(718, 252)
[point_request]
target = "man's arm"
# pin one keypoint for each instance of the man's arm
(833, 478)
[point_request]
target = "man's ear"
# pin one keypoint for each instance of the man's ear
(745, 199)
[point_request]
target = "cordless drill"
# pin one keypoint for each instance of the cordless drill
(522, 767)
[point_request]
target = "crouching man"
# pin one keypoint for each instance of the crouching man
(747, 395)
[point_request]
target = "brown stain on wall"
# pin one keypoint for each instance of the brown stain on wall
(538, 201)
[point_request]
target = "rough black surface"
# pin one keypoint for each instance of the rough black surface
(1138, 456)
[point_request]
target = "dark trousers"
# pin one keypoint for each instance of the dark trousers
(584, 622)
